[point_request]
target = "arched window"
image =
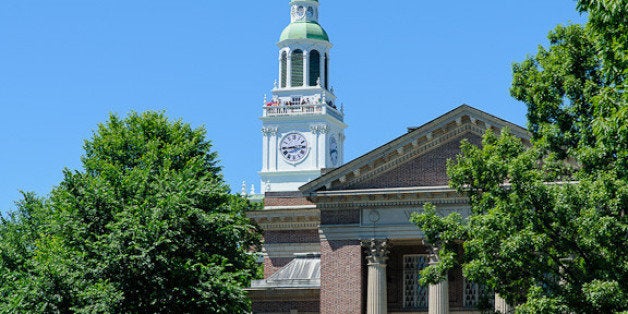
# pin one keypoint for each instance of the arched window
(297, 68)
(315, 67)
(326, 72)
(284, 69)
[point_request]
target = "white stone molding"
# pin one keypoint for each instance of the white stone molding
(269, 130)
(319, 128)
(287, 218)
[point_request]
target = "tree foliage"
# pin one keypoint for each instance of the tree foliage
(148, 226)
(548, 229)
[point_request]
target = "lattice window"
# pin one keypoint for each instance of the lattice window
(315, 67)
(476, 295)
(415, 296)
(284, 69)
(297, 68)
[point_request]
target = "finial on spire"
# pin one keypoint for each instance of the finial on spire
(243, 191)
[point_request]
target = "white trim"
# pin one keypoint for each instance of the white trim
(290, 207)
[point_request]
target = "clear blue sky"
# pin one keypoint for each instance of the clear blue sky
(66, 64)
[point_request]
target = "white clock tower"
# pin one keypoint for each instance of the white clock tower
(303, 128)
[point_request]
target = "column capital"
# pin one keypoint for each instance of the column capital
(434, 249)
(377, 251)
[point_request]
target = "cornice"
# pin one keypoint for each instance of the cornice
(387, 197)
(288, 218)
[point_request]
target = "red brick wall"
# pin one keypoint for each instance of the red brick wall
(272, 265)
(341, 277)
(291, 236)
(285, 199)
(426, 170)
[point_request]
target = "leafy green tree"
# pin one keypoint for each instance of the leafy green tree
(148, 226)
(548, 229)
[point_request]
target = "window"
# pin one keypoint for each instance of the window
(315, 67)
(284, 69)
(297, 68)
(477, 296)
(415, 296)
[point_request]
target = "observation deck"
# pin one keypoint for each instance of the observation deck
(277, 109)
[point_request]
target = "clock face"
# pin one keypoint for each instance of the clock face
(293, 147)
(333, 150)
(298, 12)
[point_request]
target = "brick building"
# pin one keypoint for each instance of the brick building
(355, 220)
(337, 237)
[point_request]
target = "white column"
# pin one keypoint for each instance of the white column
(376, 300)
(439, 293)
(322, 68)
(280, 67)
(322, 155)
(501, 306)
(327, 72)
(317, 144)
(274, 139)
(266, 150)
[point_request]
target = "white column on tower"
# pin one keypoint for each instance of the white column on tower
(274, 140)
(321, 66)
(327, 71)
(280, 68)
(265, 155)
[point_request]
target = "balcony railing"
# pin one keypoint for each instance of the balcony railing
(274, 110)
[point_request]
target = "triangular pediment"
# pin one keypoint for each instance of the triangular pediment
(417, 158)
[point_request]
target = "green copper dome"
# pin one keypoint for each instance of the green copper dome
(304, 30)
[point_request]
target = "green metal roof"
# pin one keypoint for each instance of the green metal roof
(303, 30)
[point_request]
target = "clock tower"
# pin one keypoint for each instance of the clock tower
(302, 125)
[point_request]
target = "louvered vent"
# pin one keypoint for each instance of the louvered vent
(315, 67)
(297, 68)
(284, 69)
